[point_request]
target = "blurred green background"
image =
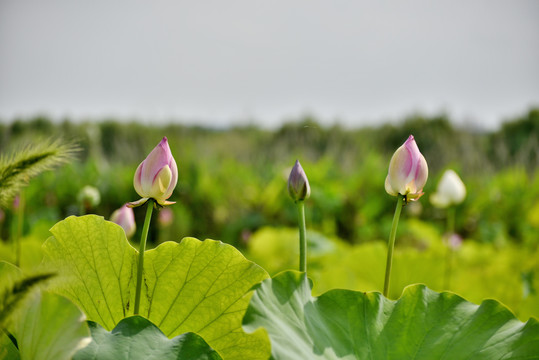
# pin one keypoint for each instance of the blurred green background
(232, 187)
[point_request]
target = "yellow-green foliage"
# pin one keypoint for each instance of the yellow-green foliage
(480, 271)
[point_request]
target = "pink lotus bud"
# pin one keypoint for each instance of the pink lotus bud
(125, 217)
(450, 190)
(157, 176)
(298, 184)
(454, 241)
(165, 218)
(408, 172)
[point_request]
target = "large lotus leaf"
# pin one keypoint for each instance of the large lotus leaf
(37, 322)
(95, 266)
(9, 273)
(200, 286)
(8, 351)
(49, 327)
(422, 324)
(136, 338)
(192, 286)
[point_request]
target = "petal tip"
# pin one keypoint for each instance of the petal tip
(137, 203)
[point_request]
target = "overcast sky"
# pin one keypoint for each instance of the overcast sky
(221, 62)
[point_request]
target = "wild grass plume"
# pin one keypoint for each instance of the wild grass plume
(17, 168)
(13, 295)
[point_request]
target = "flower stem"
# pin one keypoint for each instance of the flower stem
(302, 239)
(142, 249)
(391, 243)
(450, 230)
(451, 220)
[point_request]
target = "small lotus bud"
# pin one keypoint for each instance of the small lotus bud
(298, 184)
(450, 190)
(408, 172)
(165, 218)
(454, 241)
(157, 176)
(125, 217)
(89, 197)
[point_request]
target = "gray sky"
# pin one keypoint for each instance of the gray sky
(217, 62)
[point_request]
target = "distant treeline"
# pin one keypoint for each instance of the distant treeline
(516, 143)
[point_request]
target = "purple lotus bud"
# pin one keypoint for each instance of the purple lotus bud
(454, 241)
(298, 184)
(165, 218)
(125, 217)
(157, 176)
(408, 172)
(450, 191)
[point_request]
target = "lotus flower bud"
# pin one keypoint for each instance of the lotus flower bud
(125, 217)
(157, 176)
(454, 241)
(408, 172)
(450, 190)
(298, 184)
(165, 218)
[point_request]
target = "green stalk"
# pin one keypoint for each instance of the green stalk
(391, 242)
(142, 249)
(450, 230)
(302, 239)
(451, 220)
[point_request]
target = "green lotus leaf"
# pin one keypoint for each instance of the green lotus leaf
(9, 274)
(8, 351)
(49, 327)
(95, 266)
(43, 325)
(136, 338)
(421, 324)
(192, 286)
(200, 286)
